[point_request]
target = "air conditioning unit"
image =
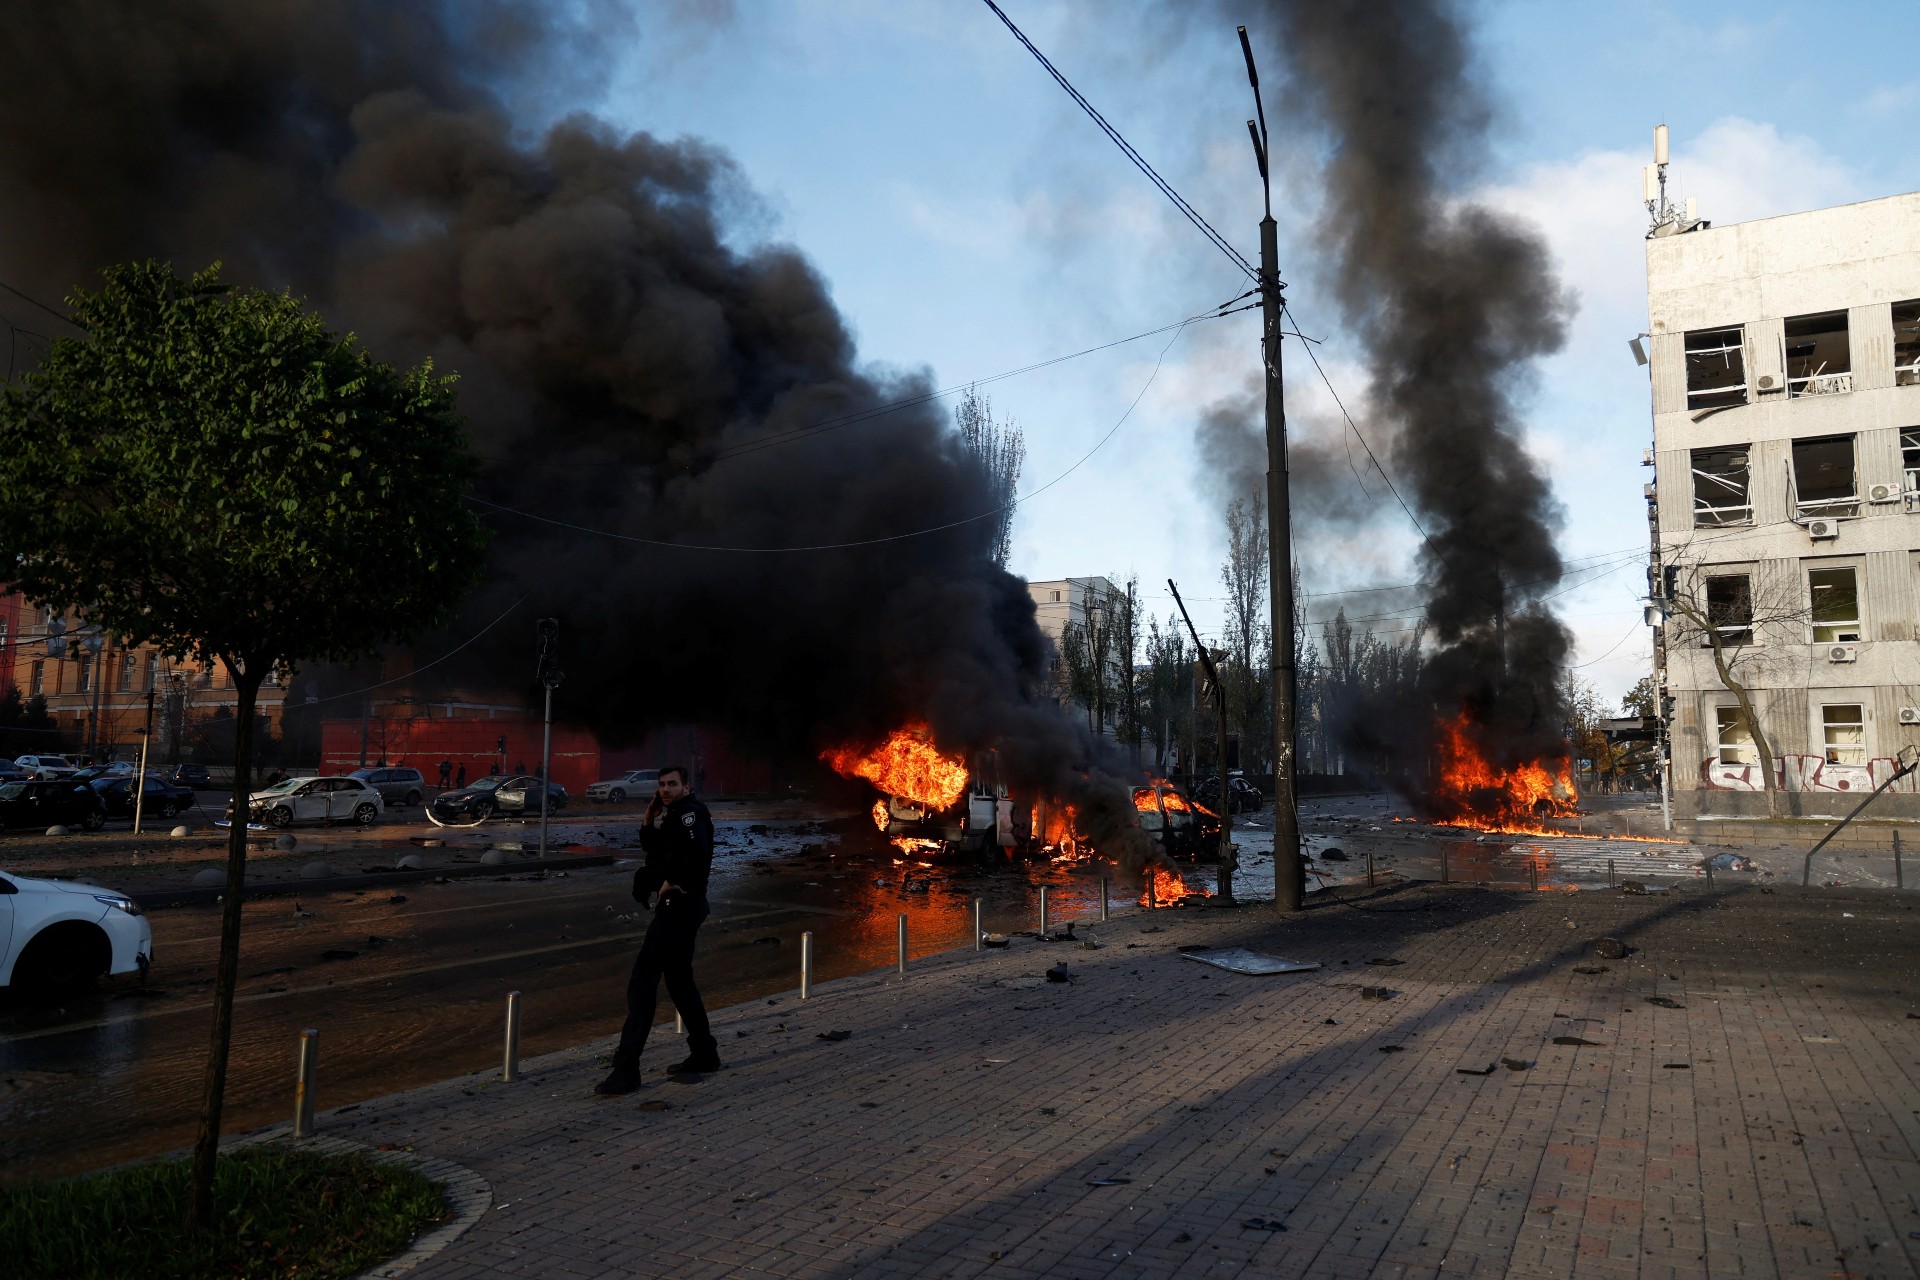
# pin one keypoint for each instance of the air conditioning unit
(1910, 715)
(1767, 382)
(1883, 493)
(1843, 653)
(1823, 528)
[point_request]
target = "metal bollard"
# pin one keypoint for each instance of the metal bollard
(1151, 904)
(1369, 868)
(806, 965)
(1043, 913)
(679, 1023)
(1610, 881)
(903, 946)
(977, 934)
(1444, 876)
(1533, 875)
(1104, 916)
(510, 1062)
(303, 1084)
(1899, 876)
(1707, 863)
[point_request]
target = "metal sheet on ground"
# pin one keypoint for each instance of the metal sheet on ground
(1241, 960)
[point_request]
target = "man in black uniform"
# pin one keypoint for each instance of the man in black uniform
(678, 839)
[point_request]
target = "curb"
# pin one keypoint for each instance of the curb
(202, 897)
(468, 1195)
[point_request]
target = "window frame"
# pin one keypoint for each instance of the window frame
(1906, 375)
(1700, 343)
(1857, 624)
(1707, 515)
(1743, 632)
(1822, 380)
(1833, 506)
(1726, 716)
(1828, 726)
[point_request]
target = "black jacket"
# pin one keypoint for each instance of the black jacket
(679, 851)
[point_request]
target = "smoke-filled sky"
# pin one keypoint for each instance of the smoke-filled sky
(966, 214)
(963, 218)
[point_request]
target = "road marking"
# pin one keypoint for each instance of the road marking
(384, 976)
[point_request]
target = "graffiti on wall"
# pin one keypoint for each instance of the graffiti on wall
(1807, 773)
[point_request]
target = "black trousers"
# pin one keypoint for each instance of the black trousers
(666, 952)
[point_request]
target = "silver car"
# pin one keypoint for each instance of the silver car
(634, 784)
(396, 786)
(324, 800)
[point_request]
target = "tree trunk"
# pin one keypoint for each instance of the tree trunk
(246, 685)
(1744, 697)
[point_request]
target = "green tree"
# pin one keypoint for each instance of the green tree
(213, 472)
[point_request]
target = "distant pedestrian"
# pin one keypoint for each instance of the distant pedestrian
(460, 776)
(678, 838)
(520, 766)
(446, 772)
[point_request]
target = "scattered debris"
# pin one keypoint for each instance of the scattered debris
(766, 942)
(339, 954)
(1589, 968)
(1677, 1066)
(1391, 1048)
(834, 1035)
(1577, 1042)
(1665, 1003)
(1241, 960)
(396, 899)
(1515, 1064)
(1377, 993)
(1821, 1039)
(1110, 1182)
(1632, 886)
(994, 939)
(1729, 862)
(1469, 1071)
(1386, 960)
(1610, 949)
(1059, 973)
(655, 1104)
(1261, 1224)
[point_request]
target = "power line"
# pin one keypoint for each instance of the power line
(866, 542)
(335, 697)
(1205, 228)
(30, 299)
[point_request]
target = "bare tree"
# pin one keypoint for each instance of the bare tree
(1244, 575)
(1125, 626)
(1169, 678)
(1000, 447)
(1731, 612)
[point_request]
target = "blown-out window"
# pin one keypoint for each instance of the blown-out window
(1906, 343)
(1836, 604)
(1823, 478)
(1819, 361)
(1845, 733)
(1720, 488)
(1730, 608)
(1716, 368)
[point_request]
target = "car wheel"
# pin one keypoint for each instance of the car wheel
(413, 798)
(63, 957)
(366, 815)
(616, 796)
(556, 804)
(279, 816)
(166, 810)
(94, 820)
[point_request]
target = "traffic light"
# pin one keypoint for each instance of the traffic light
(1666, 707)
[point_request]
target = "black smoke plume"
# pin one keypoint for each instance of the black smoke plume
(1451, 301)
(623, 366)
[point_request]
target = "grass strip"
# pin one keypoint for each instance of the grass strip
(278, 1213)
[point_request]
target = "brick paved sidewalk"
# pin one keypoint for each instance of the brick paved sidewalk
(982, 1122)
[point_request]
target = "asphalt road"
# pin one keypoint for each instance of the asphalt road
(421, 996)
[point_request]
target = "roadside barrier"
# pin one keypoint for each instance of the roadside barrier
(303, 1083)
(806, 965)
(978, 933)
(510, 1059)
(903, 946)
(1104, 896)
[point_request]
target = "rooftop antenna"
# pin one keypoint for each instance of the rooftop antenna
(1668, 218)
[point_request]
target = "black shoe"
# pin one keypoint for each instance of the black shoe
(698, 1064)
(622, 1080)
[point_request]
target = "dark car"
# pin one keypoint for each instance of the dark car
(46, 804)
(1243, 796)
(397, 786)
(163, 799)
(1173, 822)
(495, 794)
(194, 776)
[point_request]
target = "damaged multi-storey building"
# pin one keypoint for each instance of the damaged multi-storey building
(1785, 362)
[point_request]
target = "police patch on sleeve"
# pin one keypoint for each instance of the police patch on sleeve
(687, 818)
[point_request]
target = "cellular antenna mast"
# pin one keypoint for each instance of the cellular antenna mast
(1668, 218)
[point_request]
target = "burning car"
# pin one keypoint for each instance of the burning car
(1182, 827)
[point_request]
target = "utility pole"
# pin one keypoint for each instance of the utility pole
(548, 670)
(140, 776)
(1227, 860)
(1289, 879)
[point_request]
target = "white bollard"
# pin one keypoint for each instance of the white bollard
(806, 965)
(510, 1058)
(303, 1084)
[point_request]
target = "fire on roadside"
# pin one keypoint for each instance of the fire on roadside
(1167, 887)
(1471, 791)
(907, 765)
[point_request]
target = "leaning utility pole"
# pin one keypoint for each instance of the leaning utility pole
(1228, 861)
(1289, 878)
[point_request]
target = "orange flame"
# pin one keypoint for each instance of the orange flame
(907, 765)
(1167, 887)
(880, 815)
(1473, 792)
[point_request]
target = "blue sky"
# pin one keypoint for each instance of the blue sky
(970, 220)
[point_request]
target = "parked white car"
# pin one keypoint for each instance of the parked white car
(47, 767)
(56, 934)
(317, 800)
(634, 784)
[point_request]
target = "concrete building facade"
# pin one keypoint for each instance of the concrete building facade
(1785, 364)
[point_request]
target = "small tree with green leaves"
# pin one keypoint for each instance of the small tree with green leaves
(212, 471)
